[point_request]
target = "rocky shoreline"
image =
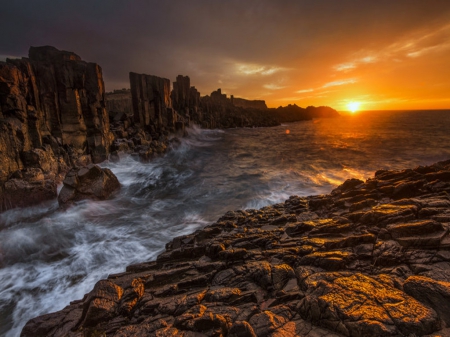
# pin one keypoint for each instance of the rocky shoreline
(55, 116)
(369, 259)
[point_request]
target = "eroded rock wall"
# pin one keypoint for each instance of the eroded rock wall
(52, 113)
(186, 100)
(119, 102)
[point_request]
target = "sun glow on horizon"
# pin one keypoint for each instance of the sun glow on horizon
(353, 106)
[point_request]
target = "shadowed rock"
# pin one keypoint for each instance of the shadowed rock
(52, 113)
(89, 182)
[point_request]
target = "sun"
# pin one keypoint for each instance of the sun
(353, 106)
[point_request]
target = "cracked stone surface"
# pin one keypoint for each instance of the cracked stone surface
(369, 259)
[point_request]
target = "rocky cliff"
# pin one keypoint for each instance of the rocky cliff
(186, 99)
(369, 259)
(52, 115)
(245, 103)
(119, 102)
(219, 112)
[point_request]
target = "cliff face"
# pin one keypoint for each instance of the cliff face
(152, 104)
(245, 103)
(119, 102)
(186, 99)
(54, 115)
(219, 111)
(52, 112)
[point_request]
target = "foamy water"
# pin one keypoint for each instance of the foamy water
(50, 257)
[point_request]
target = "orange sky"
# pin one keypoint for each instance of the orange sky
(385, 54)
(411, 71)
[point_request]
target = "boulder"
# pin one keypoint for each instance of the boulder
(88, 182)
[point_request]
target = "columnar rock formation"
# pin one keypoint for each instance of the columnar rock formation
(53, 116)
(186, 99)
(370, 259)
(52, 111)
(119, 102)
(220, 112)
(151, 102)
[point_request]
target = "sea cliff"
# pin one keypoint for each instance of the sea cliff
(369, 259)
(52, 117)
(55, 116)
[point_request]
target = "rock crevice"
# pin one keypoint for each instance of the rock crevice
(52, 116)
(311, 266)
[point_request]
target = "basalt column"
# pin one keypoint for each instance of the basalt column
(186, 100)
(52, 112)
(151, 103)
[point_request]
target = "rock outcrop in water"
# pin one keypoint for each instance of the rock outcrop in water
(369, 259)
(52, 116)
(88, 182)
(294, 113)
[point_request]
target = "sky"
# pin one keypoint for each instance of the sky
(381, 54)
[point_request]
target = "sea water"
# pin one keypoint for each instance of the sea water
(50, 257)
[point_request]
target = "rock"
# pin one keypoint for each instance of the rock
(420, 233)
(266, 322)
(51, 106)
(119, 104)
(308, 266)
(27, 187)
(435, 294)
(89, 182)
(241, 329)
(151, 100)
(358, 305)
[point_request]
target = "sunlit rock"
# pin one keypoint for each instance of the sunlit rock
(308, 266)
(52, 111)
(360, 306)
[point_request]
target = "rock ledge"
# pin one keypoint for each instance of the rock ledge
(369, 259)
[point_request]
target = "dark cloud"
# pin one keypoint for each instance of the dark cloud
(211, 40)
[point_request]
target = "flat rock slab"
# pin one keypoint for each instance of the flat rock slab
(358, 305)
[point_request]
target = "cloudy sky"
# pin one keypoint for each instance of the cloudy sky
(391, 54)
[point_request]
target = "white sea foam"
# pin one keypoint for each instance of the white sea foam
(50, 257)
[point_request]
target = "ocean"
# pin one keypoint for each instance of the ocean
(50, 257)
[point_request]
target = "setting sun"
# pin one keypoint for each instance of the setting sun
(353, 106)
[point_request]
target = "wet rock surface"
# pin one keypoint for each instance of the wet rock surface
(88, 182)
(311, 266)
